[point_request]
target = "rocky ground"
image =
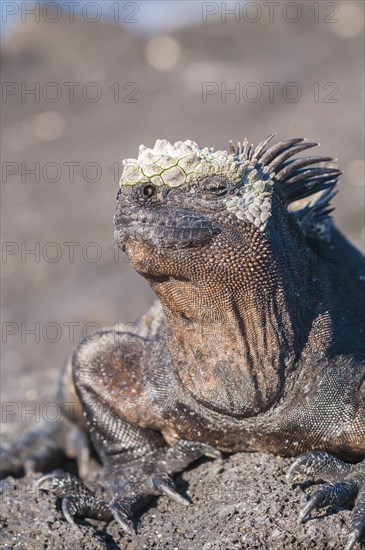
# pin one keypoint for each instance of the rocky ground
(241, 503)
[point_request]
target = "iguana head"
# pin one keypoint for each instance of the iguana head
(180, 205)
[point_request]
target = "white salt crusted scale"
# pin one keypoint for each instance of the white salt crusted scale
(254, 172)
(183, 162)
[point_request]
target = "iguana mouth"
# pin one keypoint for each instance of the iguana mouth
(164, 228)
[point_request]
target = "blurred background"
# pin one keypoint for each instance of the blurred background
(85, 83)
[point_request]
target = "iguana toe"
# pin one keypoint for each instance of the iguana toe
(165, 486)
(345, 485)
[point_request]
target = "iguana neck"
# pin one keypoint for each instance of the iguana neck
(234, 344)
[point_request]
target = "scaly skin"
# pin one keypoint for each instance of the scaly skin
(256, 343)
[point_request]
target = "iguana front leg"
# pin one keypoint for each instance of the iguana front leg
(112, 386)
(344, 484)
(125, 488)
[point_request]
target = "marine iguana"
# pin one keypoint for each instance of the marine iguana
(256, 343)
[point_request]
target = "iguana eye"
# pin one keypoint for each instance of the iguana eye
(148, 190)
(218, 188)
(214, 187)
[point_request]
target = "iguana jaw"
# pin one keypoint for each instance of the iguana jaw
(162, 228)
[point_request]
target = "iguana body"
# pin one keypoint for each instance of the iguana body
(258, 344)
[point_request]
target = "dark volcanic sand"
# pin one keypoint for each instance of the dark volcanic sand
(244, 502)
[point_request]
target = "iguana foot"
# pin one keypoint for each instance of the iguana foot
(344, 485)
(125, 488)
(43, 447)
